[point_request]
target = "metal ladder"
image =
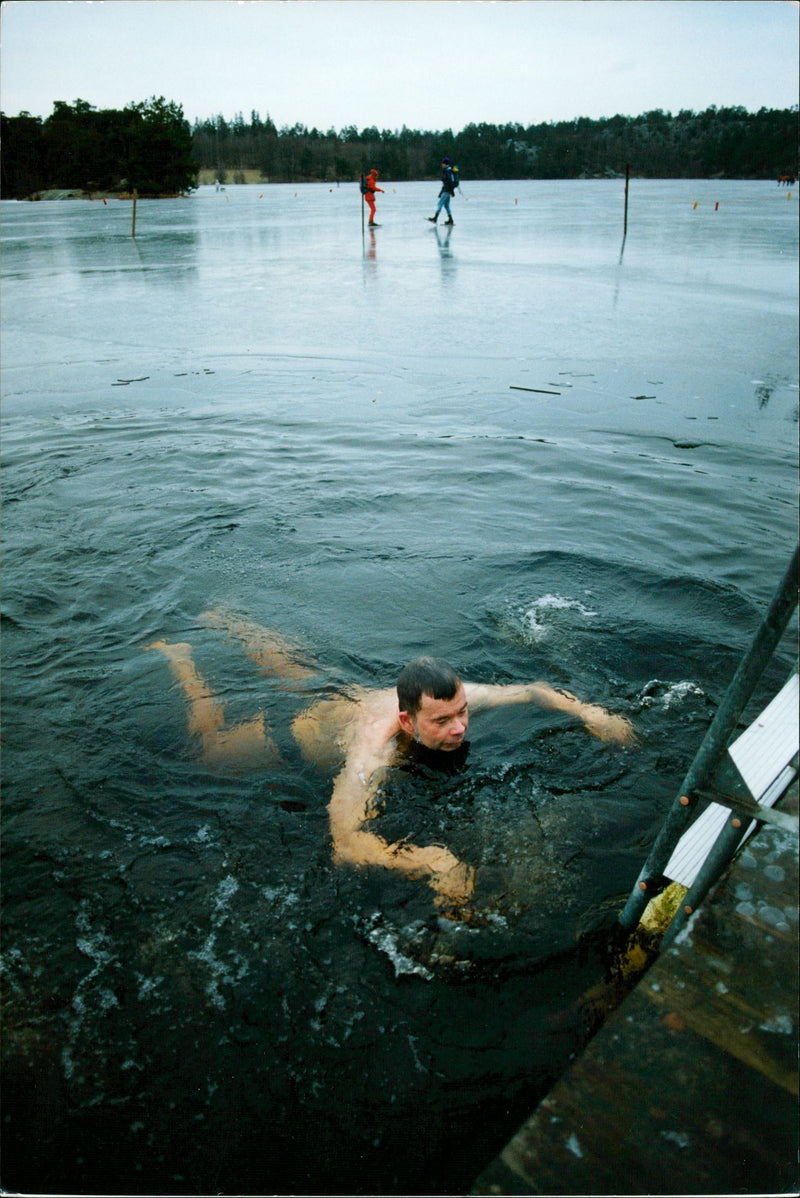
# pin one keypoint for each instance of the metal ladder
(701, 779)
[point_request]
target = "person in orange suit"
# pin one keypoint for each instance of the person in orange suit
(369, 196)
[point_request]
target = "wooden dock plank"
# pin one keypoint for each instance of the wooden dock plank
(653, 1108)
(691, 1085)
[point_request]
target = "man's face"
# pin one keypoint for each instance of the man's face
(439, 723)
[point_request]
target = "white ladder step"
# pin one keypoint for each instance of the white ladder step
(762, 755)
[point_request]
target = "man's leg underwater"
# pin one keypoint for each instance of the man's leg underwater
(245, 746)
(271, 653)
(318, 728)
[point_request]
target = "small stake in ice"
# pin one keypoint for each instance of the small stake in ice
(627, 184)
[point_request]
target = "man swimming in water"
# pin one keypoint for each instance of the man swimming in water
(368, 730)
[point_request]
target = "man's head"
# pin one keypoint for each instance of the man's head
(433, 705)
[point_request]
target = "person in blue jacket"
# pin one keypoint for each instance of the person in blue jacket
(449, 185)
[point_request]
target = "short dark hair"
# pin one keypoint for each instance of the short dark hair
(425, 676)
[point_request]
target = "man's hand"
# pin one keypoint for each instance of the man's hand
(454, 887)
(603, 724)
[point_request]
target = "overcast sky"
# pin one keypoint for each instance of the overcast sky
(427, 64)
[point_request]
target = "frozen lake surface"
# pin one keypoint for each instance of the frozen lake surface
(516, 443)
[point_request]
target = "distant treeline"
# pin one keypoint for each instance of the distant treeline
(720, 141)
(151, 146)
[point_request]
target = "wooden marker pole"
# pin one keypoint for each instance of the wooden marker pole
(627, 184)
(133, 219)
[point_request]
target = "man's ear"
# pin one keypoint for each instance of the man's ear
(406, 722)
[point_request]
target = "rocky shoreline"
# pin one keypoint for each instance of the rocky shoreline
(76, 193)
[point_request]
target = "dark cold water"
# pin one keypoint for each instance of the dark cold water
(249, 407)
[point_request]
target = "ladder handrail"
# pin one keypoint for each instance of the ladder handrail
(709, 757)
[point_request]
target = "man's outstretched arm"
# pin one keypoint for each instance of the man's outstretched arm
(352, 805)
(595, 719)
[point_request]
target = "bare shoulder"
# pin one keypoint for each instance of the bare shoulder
(329, 728)
(377, 714)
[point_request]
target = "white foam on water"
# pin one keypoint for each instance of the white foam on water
(412, 1043)
(385, 941)
(221, 973)
(225, 891)
(574, 1145)
(536, 621)
(89, 997)
(668, 694)
(217, 968)
(280, 896)
(147, 987)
